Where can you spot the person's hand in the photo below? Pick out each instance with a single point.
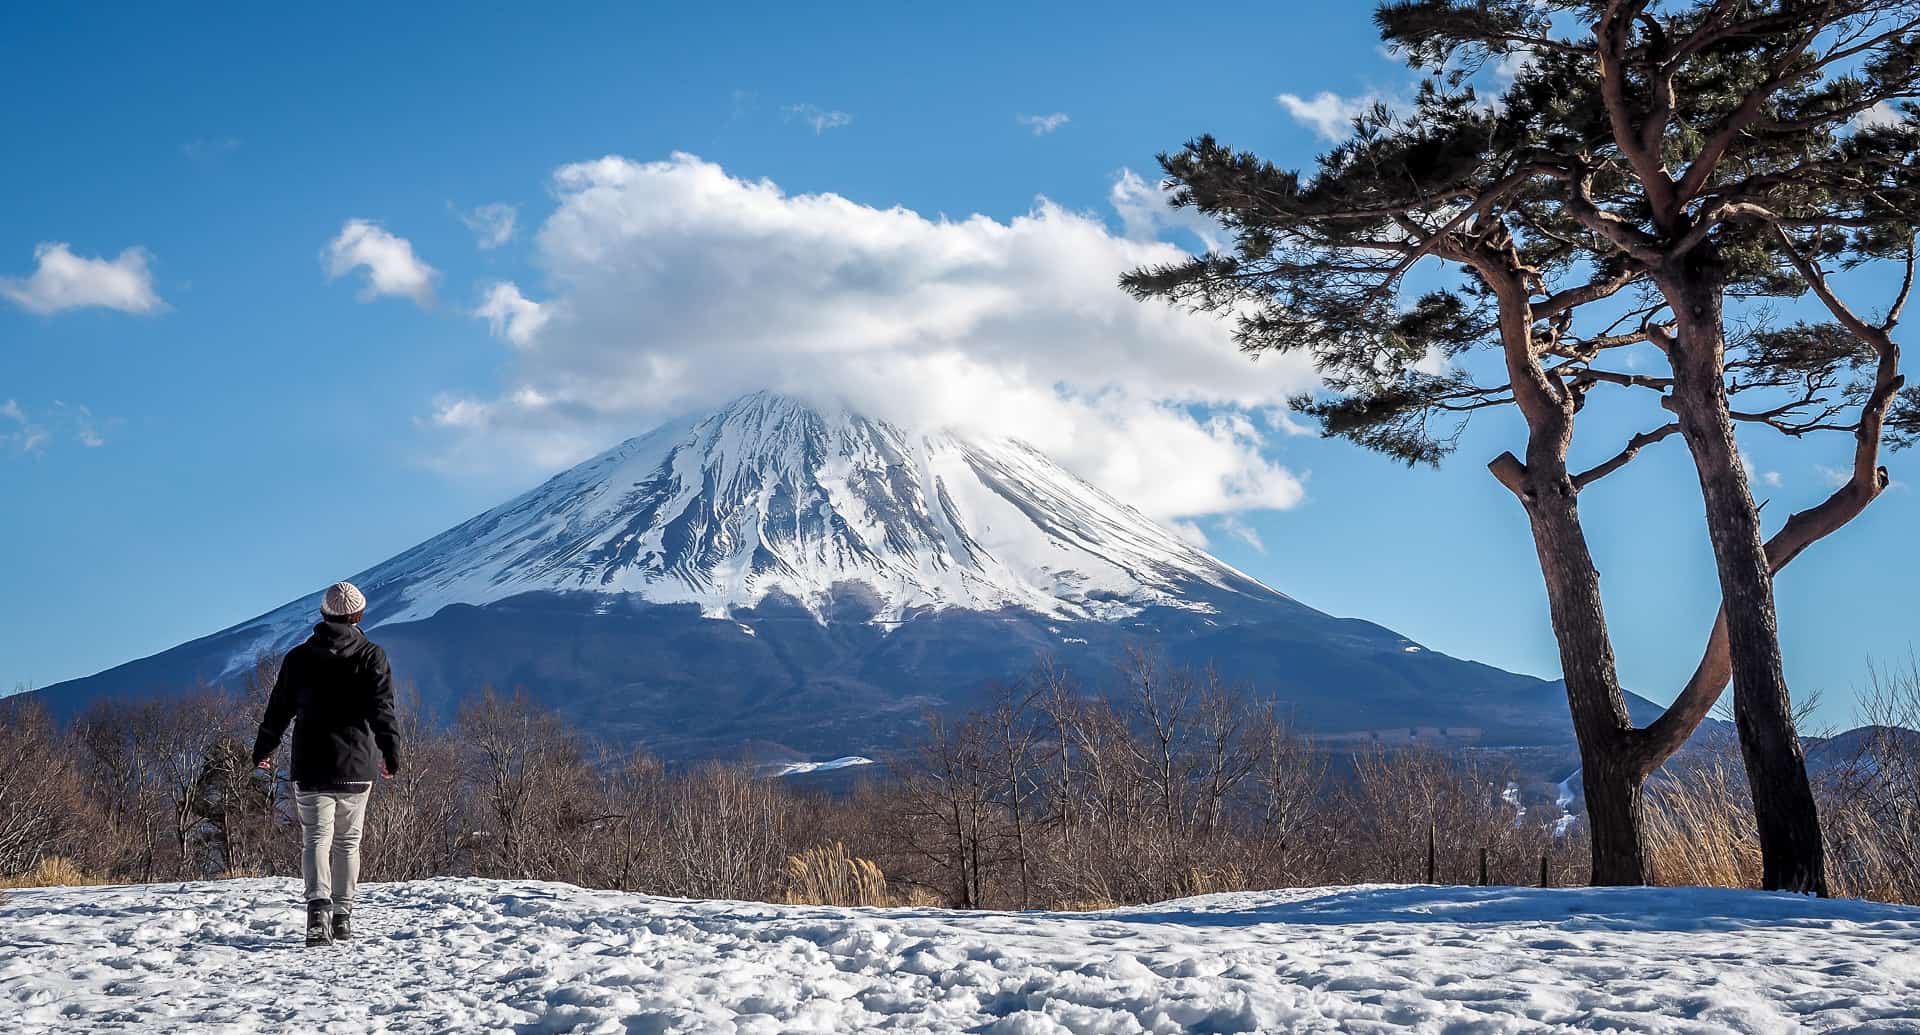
(265, 763)
(384, 774)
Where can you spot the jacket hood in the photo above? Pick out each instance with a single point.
(338, 638)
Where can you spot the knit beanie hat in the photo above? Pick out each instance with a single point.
(342, 599)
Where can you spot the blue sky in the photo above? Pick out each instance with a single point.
(238, 426)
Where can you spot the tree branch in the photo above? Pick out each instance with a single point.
(1622, 458)
(1616, 230)
(1657, 384)
(1574, 297)
(1510, 472)
(1708, 159)
(1610, 32)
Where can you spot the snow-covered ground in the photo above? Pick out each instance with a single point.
(476, 955)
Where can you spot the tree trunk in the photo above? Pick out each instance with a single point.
(1792, 852)
(1617, 805)
(1616, 808)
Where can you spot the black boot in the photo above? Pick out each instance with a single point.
(320, 922)
(342, 926)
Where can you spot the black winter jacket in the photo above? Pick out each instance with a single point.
(337, 691)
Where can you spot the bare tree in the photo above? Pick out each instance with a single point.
(419, 823)
(640, 789)
(1231, 754)
(1289, 773)
(42, 803)
(1016, 732)
(1162, 699)
(116, 774)
(726, 834)
(947, 810)
(528, 770)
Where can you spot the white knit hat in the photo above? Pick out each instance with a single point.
(342, 599)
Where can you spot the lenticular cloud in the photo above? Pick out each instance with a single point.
(673, 285)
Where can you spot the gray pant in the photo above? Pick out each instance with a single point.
(330, 844)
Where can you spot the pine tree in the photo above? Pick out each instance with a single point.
(1647, 163)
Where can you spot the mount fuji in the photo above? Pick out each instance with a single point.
(791, 580)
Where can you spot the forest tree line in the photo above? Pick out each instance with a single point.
(1165, 784)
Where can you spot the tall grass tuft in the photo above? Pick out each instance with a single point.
(828, 875)
(1700, 828)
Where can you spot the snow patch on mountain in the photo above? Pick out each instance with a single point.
(780, 769)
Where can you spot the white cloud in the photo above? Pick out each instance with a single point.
(1771, 479)
(1880, 116)
(1145, 214)
(1242, 531)
(1833, 476)
(1192, 533)
(492, 224)
(1043, 124)
(1283, 420)
(673, 286)
(1514, 62)
(78, 421)
(819, 119)
(1142, 207)
(512, 316)
(392, 268)
(62, 280)
(1327, 113)
(27, 440)
(30, 435)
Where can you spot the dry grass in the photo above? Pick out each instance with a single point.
(828, 875)
(919, 898)
(52, 872)
(1701, 831)
(1090, 905)
(1229, 877)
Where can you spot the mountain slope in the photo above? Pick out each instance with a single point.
(814, 580)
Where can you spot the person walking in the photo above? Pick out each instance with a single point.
(337, 691)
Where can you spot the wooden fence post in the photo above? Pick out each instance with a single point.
(1546, 880)
(1483, 866)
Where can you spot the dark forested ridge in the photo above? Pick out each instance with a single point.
(664, 678)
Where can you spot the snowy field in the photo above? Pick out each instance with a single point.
(474, 956)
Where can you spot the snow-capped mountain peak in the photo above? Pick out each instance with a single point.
(769, 495)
